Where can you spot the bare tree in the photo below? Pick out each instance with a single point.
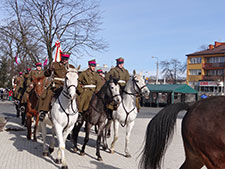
(172, 69)
(74, 22)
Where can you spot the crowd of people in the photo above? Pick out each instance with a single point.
(90, 81)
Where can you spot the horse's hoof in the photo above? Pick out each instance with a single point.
(111, 151)
(50, 150)
(64, 167)
(104, 148)
(45, 154)
(75, 149)
(58, 161)
(99, 159)
(82, 153)
(35, 140)
(128, 155)
(28, 138)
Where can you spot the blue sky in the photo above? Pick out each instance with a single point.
(138, 30)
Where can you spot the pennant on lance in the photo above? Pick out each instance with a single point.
(57, 52)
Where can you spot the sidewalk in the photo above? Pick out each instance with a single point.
(19, 153)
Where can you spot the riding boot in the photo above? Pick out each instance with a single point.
(80, 118)
(42, 115)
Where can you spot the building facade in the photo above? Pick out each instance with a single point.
(205, 69)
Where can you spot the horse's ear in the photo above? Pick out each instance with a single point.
(78, 67)
(67, 67)
(110, 77)
(134, 72)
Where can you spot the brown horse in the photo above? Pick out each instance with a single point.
(32, 102)
(203, 133)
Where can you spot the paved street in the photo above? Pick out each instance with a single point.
(17, 152)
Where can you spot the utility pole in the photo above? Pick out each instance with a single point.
(157, 69)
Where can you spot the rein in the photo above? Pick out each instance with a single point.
(137, 93)
(67, 96)
(103, 99)
(127, 114)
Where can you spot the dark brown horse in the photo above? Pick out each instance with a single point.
(32, 102)
(203, 133)
(97, 115)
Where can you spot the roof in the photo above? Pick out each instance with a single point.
(216, 50)
(176, 88)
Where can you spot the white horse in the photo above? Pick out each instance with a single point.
(127, 110)
(62, 116)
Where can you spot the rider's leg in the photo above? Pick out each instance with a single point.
(44, 104)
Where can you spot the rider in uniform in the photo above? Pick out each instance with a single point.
(88, 83)
(19, 84)
(101, 76)
(122, 75)
(25, 87)
(58, 72)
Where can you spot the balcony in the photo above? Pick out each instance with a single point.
(214, 65)
(212, 77)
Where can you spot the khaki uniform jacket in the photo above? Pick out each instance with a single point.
(24, 85)
(34, 74)
(102, 79)
(118, 73)
(87, 77)
(18, 84)
(57, 70)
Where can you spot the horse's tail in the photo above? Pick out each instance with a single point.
(158, 134)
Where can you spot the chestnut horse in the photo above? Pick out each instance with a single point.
(32, 102)
(203, 133)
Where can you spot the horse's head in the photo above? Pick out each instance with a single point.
(113, 90)
(71, 82)
(139, 84)
(38, 85)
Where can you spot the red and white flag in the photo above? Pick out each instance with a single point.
(57, 52)
(16, 60)
(46, 61)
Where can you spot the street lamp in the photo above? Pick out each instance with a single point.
(157, 69)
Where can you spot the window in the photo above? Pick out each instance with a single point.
(215, 60)
(218, 72)
(195, 60)
(195, 72)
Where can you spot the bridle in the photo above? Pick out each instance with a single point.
(103, 98)
(65, 91)
(112, 96)
(136, 93)
(66, 94)
(39, 84)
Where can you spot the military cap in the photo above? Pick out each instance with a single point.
(92, 62)
(99, 71)
(20, 73)
(38, 64)
(28, 69)
(120, 60)
(65, 55)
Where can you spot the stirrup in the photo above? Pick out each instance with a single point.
(22, 108)
(42, 115)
